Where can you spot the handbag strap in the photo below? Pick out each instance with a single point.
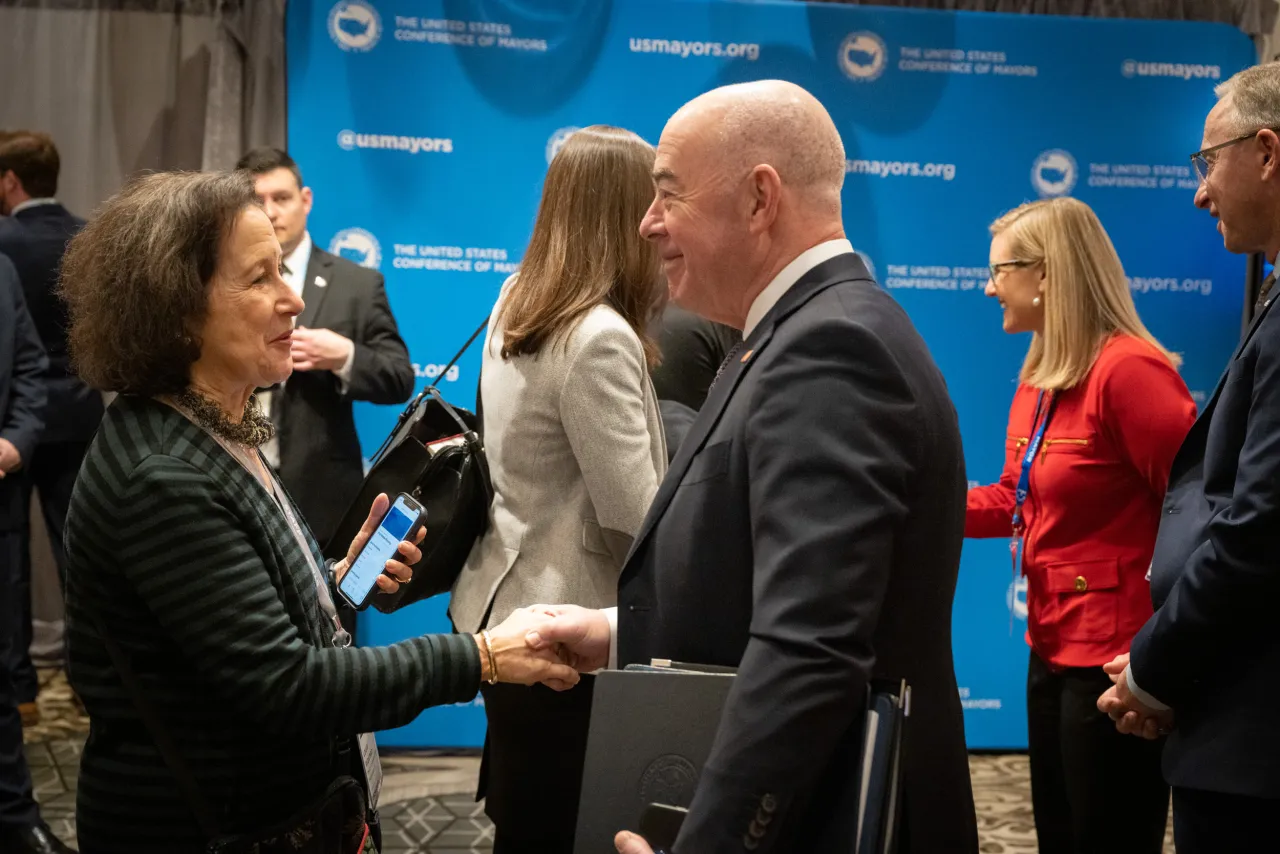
(459, 354)
(462, 425)
(430, 390)
(159, 734)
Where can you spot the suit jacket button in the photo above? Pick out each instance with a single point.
(1082, 584)
(757, 830)
(763, 817)
(768, 803)
(749, 842)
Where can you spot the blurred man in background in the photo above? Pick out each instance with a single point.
(693, 349)
(22, 401)
(34, 231)
(346, 347)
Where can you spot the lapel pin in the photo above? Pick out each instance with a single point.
(320, 282)
(746, 355)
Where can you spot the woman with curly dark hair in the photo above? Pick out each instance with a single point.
(200, 610)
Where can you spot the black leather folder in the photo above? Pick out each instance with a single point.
(652, 727)
(651, 732)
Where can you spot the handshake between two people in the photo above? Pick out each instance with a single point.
(1131, 715)
(547, 644)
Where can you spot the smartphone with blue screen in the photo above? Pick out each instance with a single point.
(401, 523)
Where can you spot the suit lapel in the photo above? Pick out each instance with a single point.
(319, 269)
(1199, 430)
(842, 268)
(708, 418)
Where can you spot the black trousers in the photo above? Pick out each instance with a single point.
(1218, 823)
(1093, 790)
(531, 774)
(52, 470)
(17, 807)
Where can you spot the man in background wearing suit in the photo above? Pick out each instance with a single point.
(22, 402)
(693, 348)
(346, 347)
(34, 231)
(809, 531)
(1207, 663)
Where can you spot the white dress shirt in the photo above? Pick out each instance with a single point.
(789, 275)
(295, 275)
(1143, 697)
(760, 306)
(32, 203)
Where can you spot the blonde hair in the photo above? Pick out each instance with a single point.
(1086, 294)
(586, 249)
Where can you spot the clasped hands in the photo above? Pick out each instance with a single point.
(1131, 716)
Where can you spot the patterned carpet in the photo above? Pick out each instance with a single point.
(427, 802)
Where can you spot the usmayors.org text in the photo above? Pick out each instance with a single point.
(910, 169)
(684, 49)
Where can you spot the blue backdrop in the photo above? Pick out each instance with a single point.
(425, 127)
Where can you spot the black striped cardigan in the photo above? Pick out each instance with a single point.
(193, 569)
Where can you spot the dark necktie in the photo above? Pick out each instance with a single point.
(1263, 291)
(733, 351)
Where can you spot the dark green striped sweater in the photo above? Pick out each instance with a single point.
(194, 571)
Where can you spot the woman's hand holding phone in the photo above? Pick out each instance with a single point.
(398, 570)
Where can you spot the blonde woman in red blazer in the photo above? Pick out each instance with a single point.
(1098, 416)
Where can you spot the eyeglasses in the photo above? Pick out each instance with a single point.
(1201, 160)
(1000, 265)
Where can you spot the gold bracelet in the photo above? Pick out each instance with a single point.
(493, 663)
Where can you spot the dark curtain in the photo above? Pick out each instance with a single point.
(1255, 17)
(130, 85)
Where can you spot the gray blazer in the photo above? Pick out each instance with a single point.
(576, 451)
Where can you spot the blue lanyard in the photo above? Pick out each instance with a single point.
(1033, 448)
(1024, 487)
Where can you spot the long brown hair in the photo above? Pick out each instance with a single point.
(586, 247)
(1086, 294)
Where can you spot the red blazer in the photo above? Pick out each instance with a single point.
(1094, 501)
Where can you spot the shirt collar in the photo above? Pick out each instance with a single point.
(298, 259)
(32, 203)
(790, 274)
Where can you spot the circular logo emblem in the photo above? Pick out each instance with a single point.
(557, 141)
(1054, 173)
(1128, 68)
(863, 56)
(358, 245)
(346, 139)
(1016, 597)
(670, 779)
(354, 25)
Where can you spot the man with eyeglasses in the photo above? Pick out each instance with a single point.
(1207, 664)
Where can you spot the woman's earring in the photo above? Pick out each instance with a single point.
(1036, 302)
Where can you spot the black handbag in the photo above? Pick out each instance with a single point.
(338, 822)
(436, 455)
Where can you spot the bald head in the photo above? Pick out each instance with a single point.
(770, 122)
(748, 177)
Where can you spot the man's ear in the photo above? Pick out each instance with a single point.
(1269, 145)
(766, 196)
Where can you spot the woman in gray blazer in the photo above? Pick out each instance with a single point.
(575, 446)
